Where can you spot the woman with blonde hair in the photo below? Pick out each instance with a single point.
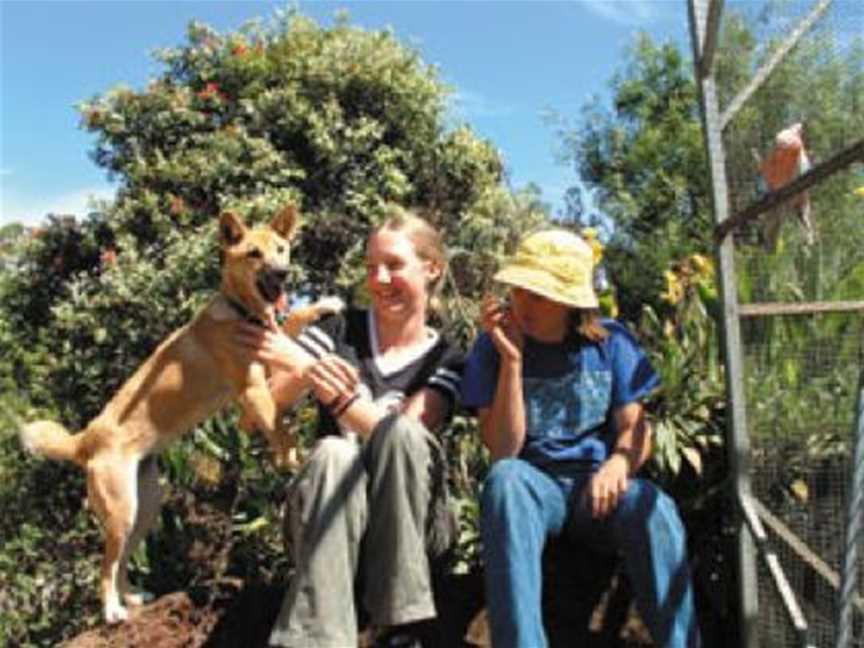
(559, 392)
(364, 502)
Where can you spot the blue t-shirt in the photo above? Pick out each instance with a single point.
(571, 391)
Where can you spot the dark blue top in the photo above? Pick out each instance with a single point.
(571, 392)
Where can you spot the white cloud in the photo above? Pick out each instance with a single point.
(34, 211)
(467, 106)
(631, 12)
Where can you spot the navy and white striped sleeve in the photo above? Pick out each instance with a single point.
(447, 376)
(323, 337)
(447, 380)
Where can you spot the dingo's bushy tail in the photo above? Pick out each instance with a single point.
(51, 440)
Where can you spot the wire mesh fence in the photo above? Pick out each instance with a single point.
(783, 107)
(800, 398)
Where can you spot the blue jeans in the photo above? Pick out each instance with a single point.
(522, 506)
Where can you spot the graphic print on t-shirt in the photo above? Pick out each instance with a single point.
(567, 406)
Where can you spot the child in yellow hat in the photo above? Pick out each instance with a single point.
(558, 392)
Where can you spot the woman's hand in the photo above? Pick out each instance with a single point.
(607, 485)
(497, 320)
(271, 347)
(333, 380)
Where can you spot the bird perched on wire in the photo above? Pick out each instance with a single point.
(786, 161)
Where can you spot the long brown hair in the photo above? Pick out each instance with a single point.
(585, 323)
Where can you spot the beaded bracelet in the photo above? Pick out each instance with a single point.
(342, 408)
(333, 403)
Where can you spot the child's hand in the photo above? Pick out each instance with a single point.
(498, 321)
(607, 485)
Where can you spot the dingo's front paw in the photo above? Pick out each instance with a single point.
(330, 305)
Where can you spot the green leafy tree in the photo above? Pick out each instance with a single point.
(641, 163)
(340, 121)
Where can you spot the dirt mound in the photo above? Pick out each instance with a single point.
(174, 620)
(234, 616)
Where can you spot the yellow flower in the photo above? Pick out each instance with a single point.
(859, 191)
(704, 265)
(674, 292)
(668, 329)
(800, 490)
(590, 236)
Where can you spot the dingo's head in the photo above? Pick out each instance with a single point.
(256, 261)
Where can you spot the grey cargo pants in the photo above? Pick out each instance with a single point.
(378, 494)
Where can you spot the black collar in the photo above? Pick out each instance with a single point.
(249, 316)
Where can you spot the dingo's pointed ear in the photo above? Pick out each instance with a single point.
(232, 229)
(286, 222)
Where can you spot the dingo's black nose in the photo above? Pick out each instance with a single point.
(271, 282)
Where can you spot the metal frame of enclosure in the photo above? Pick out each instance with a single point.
(757, 548)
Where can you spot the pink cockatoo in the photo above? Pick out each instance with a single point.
(786, 161)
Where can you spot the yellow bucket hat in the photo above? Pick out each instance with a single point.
(556, 264)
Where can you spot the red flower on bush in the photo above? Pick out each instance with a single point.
(210, 90)
(108, 257)
(178, 206)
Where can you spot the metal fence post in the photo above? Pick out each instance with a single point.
(849, 574)
(704, 20)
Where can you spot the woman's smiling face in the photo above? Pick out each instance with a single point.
(396, 276)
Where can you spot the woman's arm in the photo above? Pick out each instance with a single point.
(502, 425)
(335, 380)
(632, 449)
(289, 362)
(430, 407)
(634, 440)
(294, 371)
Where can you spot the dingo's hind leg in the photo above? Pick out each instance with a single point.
(112, 494)
(149, 500)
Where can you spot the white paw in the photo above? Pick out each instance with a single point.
(115, 613)
(139, 598)
(330, 304)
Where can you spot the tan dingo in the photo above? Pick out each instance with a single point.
(192, 373)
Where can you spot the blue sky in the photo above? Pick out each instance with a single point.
(508, 62)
